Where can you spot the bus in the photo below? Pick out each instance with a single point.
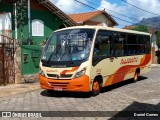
(87, 58)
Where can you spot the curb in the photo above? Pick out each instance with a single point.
(155, 65)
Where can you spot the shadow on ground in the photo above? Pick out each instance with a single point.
(65, 94)
(138, 111)
(87, 95)
(121, 84)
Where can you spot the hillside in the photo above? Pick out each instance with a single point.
(151, 22)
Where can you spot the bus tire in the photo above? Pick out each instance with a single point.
(96, 88)
(50, 91)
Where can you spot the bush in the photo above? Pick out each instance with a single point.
(141, 28)
(158, 40)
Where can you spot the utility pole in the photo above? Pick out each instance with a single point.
(29, 23)
(15, 20)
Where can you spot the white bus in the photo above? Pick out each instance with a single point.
(87, 58)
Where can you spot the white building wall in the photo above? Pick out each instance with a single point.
(102, 18)
(5, 24)
(154, 44)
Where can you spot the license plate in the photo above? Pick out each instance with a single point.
(58, 89)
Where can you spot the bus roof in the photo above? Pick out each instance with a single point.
(104, 28)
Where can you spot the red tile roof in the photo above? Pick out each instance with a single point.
(83, 17)
(129, 27)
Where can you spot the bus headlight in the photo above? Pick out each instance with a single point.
(41, 72)
(81, 72)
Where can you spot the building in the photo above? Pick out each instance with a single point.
(43, 17)
(100, 17)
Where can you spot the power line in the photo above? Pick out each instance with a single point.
(139, 8)
(114, 11)
(111, 15)
(97, 9)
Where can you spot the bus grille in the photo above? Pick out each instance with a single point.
(61, 76)
(59, 84)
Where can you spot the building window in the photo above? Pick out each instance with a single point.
(37, 28)
(25, 58)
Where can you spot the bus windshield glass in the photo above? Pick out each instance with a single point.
(68, 45)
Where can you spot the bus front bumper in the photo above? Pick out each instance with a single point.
(80, 84)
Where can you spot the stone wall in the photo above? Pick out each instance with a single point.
(30, 78)
(18, 74)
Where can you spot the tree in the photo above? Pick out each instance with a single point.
(140, 28)
(158, 40)
(21, 16)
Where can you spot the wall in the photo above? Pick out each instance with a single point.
(30, 58)
(51, 23)
(5, 21)
(102, 18)
(8, 9)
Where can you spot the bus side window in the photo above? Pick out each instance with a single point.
(102, 44)
(132, 44)
(96, 49)
(120, 41)
(102, 47)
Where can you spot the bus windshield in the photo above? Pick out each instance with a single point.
(68, 45)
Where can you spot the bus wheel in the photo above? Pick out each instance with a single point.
(136, 76)
(96, 88)
(50, 91)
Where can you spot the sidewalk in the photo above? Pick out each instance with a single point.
(13, 89)
(155, 65)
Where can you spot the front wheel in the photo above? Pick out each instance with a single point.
(50, 91)
(96, 87)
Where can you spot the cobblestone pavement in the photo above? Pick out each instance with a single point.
(14, 89)
(143, 95)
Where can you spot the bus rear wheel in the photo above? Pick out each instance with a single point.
(96, 88)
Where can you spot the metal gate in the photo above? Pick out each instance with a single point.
(7, 67)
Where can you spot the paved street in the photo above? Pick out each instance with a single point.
(143, 95)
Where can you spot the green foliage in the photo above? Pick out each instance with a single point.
(141, 28)
(21, 16)
(158, 39)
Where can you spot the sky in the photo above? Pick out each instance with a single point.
(118, 9)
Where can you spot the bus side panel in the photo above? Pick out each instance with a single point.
(129, 71)
(121, 68)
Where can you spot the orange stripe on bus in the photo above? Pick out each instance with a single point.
(69, 71)
(123, 71)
